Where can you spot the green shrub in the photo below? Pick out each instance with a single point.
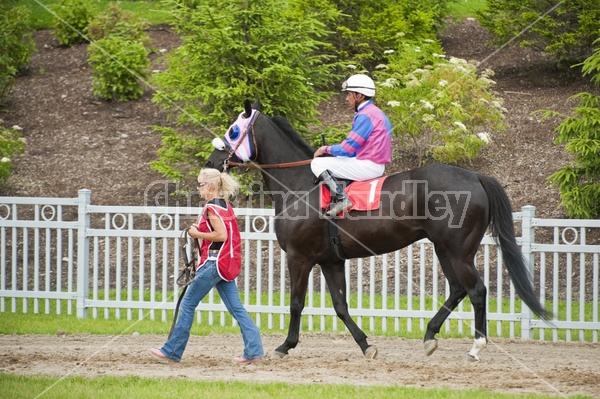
(179, 146)
(566, 33)
(10, 143)
(443, 109)
(579, 182)
(365, 29)
(233, 51)
(118, 66)
(16, 45)
(591, 66)
(115, 21)
(72, 22)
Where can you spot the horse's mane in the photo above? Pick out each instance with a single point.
(289, 131)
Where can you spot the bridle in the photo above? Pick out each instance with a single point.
(232, 151)
(253, 165)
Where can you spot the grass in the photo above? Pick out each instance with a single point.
(461, 9)
(155, 12)
(110, 321)
(16, 387)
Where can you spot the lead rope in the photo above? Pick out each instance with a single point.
(186, 274)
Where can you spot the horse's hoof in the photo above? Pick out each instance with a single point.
(371, 352)
(278, 355)
(430, 346)
(472, 358)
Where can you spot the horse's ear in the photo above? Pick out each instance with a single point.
(257, 105)
(247, 109)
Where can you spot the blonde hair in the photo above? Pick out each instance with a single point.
(226, 186)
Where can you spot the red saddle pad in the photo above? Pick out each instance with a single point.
(365, 195)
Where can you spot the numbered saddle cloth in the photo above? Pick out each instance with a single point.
(365, 195)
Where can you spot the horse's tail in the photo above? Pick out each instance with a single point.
(503, 231)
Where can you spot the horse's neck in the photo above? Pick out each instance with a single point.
(291, 189)
(286, 180)
(279, 148)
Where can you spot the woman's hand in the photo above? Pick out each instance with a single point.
(193, 232)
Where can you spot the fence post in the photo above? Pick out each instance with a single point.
(528, 237)
(83, 252)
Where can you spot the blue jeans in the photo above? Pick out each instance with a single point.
(206, 278)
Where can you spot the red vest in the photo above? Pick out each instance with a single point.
(229, 259)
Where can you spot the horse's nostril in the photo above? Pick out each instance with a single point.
(208, 164)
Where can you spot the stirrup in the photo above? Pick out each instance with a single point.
(339, 207)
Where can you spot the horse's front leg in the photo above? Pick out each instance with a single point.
(336, 281)
(299, 270)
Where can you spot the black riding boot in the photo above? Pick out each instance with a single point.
(339, 200)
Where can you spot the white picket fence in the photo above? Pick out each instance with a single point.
(67, 255)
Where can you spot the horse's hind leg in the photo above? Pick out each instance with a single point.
(463, 279)
(457, 293)
(336, 281)
(477, 295)
(469, 278)
(299, 272)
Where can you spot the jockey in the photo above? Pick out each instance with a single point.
(364, 153)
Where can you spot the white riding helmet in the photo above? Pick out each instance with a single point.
(360, 83)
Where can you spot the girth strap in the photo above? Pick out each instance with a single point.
(335, 244)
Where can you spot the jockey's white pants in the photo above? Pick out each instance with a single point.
(347, 168)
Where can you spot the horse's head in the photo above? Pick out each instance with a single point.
(237, 145)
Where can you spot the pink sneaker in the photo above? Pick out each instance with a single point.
(159, 355)
(245, 360)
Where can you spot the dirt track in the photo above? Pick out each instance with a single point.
(560, 369)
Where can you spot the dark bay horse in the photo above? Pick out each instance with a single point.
(450, 206)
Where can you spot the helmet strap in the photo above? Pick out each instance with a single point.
(357, 102)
